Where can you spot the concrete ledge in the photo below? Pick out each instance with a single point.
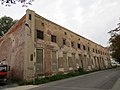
(117, 85)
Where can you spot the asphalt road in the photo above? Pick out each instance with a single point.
(102, 80)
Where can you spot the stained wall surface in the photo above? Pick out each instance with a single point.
(12, 49)
(68, 51)
(36, 47)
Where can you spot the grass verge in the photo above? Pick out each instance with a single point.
(56, 77)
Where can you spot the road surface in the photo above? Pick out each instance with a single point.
(102, 80)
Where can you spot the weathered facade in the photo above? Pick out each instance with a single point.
(35, 46)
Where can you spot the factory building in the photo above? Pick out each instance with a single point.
(35, 46)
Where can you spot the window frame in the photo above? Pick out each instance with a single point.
(41, 36)
(54, 38)
(64, 41)
(72, 43)
(84, 48)
(79, 45)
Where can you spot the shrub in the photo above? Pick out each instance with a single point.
(55, 77)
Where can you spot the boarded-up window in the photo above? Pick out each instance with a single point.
(60, 62)
(78, 61)
(54, 61)
(65, 61)
(81, 61)
(74, 61)
(89, 60)
(85, 62)
(70, 61)
(39, 61)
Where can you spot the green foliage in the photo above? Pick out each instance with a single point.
(81, 70)
(5, 24)
(1, 33)
(115, 47)
(24, 82)
(115, 43)
(56, 77)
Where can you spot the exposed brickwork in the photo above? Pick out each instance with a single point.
(30, 56)
(12, 49)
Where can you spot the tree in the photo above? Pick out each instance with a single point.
(115, 43)
(12, 2)
(5, 24)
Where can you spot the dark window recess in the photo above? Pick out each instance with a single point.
(72, 44)
(65, 33)
(30, 17)
(42, 24)
(40, 34)
(78, 45)
(53, 38)
(79, 39)
(96, 50)
(93, 50)
(34, 54)
(84, 47)
(31, 57)
(88, 49)
(64, 41)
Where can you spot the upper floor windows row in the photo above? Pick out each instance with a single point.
(99, 52)
(40, 35)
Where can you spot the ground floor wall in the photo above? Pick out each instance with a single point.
(51, 59)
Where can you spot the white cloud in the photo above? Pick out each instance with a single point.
(89, 18)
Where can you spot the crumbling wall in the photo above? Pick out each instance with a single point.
(12, 49)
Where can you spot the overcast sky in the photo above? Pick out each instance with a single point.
(89, 18)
